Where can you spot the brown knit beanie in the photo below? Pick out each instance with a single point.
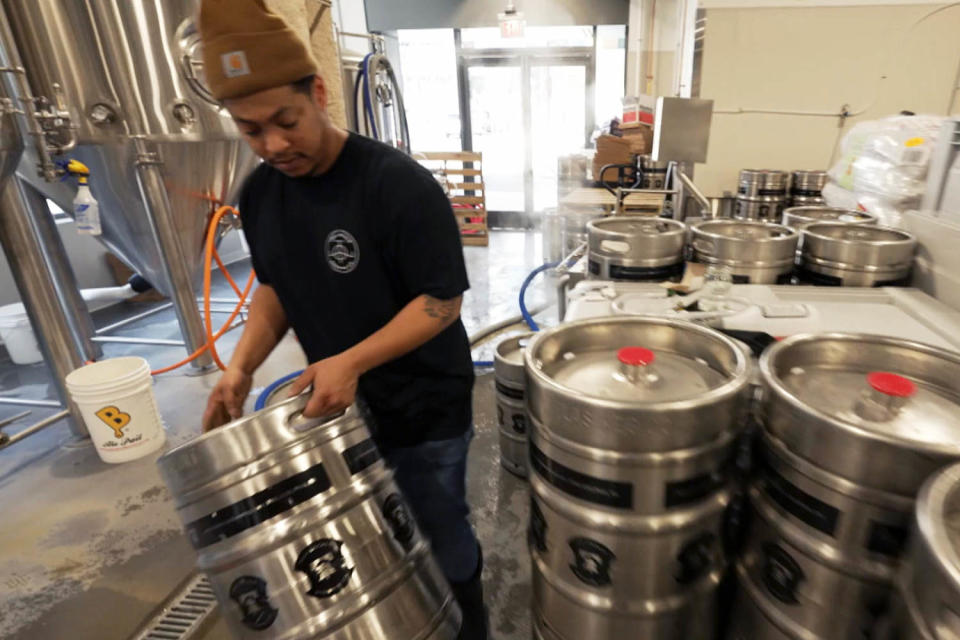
(247, 49)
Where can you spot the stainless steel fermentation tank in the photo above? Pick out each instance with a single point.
(633, 425)
(32, 244)
(160, 150)
(303, 532)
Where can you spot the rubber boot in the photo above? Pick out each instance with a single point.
(469, 595)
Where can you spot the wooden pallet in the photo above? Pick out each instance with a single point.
(461, 174)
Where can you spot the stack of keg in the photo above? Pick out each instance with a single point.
(855, 255)
(930, 580)
(806, 188)
(510, 381)
(755, 252)
(846, 445)
(638, 249)
(633, 426)
(303, 533)
(761, 194)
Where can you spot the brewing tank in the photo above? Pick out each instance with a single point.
(632, 427)
(303, 533)
(131, 70)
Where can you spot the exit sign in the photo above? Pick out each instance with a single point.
(512, 25)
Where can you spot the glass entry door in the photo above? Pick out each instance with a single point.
(522, 110)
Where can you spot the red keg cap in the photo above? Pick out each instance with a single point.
(636, 356)
(891, 384)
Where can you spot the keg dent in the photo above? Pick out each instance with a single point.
(301, 529)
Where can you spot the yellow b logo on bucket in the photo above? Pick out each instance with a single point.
(115, 419)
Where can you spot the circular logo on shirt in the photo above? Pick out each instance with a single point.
(342, 251)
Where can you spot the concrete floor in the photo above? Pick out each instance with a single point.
(88, 550)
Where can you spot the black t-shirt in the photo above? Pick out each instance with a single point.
(345, 252)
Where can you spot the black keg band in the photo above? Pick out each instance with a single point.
(579, 485)
(807, 193)
(800, 504)
(247, 513)
(640, 274)
(515, 394)
(361, 455)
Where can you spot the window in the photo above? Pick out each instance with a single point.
(428, 65)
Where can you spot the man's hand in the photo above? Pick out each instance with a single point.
(334, 383)
(227, 398)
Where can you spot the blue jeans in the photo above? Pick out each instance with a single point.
(432, 477)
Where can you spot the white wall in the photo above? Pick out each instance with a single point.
(817, 59)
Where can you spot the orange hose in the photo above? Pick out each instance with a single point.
(210, 254)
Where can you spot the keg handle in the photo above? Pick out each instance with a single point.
(297, 422)
(705, 247)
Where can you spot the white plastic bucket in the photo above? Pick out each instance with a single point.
(116, 400)
(18, 336)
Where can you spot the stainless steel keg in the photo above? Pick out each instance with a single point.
(799, 217)
(636, 249)
(633, 424)
(756, 252)
(303, 533)
(839, 254)
(930, 584)
(511, 384)
(761, 194)
(806, 188)
(853, 425)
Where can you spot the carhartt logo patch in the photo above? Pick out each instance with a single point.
(235, 64)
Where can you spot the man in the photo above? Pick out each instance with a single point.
(356, 248)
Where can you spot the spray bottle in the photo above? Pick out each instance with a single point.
(86, 211)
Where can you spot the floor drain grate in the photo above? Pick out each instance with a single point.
(183, 614)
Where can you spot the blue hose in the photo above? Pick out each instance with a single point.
(367, 99)
(482, 363)
(523, 294)
(279, 382)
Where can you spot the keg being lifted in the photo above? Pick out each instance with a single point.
(633, 423)
(806, 188)
(761, 194)
(800, 217)
(301, 530)
(636, 248)
(756, 252)
(511, 384)
(930, 580)
(846, 446)
(842, 255)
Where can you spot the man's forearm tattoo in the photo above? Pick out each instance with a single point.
(442, 310)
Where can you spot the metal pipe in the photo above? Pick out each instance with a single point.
(13, 419)
(6, 441)
(45, 280)
(23, 402)
(132, 319)
(695, 192)
(129, 340)
(160, 214)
